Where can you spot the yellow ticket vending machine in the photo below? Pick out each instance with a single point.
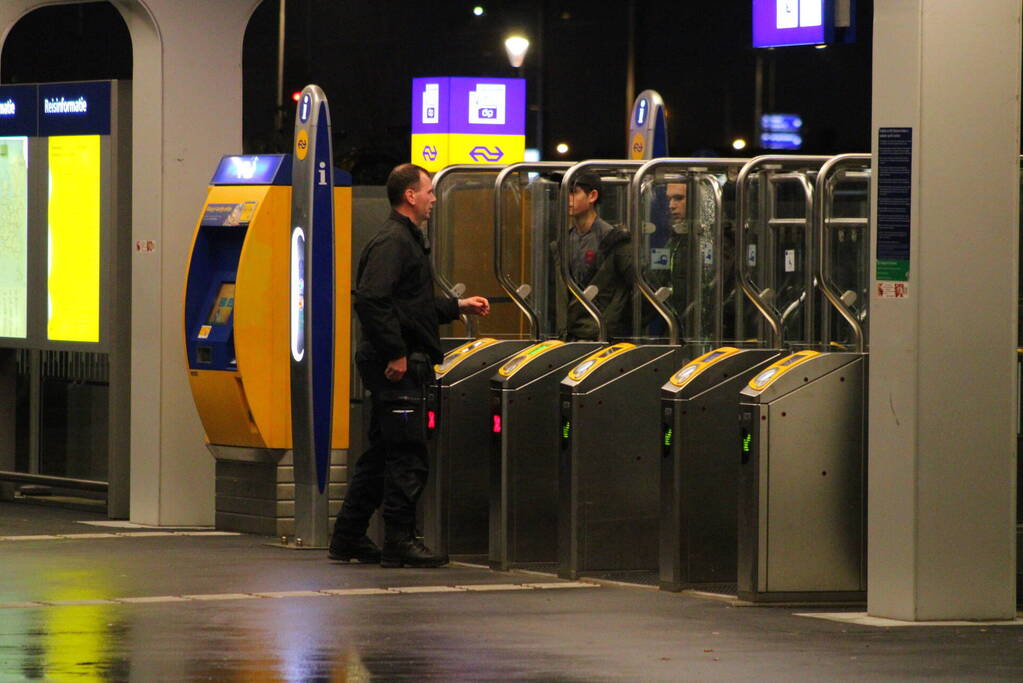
(236, 326)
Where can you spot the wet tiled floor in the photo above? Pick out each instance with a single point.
(206, 607)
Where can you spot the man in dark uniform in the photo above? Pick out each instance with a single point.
(395, 302)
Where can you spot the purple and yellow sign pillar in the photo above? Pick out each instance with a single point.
(458, 120)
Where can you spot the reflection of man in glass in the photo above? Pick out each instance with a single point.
(690, 247)
(598, 255)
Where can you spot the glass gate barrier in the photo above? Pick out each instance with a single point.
(461, 230)
(599, 296)
(776, 251)
(843, 208)
(525, 232)
(685, 250)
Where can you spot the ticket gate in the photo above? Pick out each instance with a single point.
(524, 453)
(608, 407)
(454, 506)
(699, 403)
(802, 440)
(524, 391)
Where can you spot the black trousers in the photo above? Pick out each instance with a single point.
(392, 473)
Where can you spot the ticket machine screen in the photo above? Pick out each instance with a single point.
(223, 305)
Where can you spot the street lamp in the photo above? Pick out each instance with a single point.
(516, 47)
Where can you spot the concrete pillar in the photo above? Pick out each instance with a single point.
(941, 511)
(186, 114)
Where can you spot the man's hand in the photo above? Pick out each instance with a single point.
(476, 305)
(395, 369)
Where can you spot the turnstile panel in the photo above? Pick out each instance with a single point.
(802, 508)
(700, 472)
(524, 459)
(609, 465)
(455, 504)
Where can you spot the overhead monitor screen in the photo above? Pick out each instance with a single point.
(73, 238)
(223, 306)
(13, 236)
(788, 22)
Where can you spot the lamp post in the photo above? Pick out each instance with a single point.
(516, 46)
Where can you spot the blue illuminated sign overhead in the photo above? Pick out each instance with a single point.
(74, 108)
(253, 169)
(18, 110)
(781, 131)
(778, 23)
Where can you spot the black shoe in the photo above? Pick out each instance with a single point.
(404, 548)
(362, 549)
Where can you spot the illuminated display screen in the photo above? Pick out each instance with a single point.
(223, 306)
(73, 238)
(788, 22)
(13, 236)
(298, 294)
(247, 170)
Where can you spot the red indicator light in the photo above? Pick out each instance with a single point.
(431, 419)
(497, 424)
(297, 95)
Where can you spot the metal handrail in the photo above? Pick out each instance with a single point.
(446, 286)
(566, 183)
(691, 164)
(824, 189)
(502, 278)
(741, 216)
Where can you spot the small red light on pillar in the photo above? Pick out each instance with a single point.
(431, 419)
(297, 95)
(497, 424)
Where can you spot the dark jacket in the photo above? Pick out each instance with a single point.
(613, 278)
(394, 295)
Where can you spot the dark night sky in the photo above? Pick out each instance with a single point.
(698, 55)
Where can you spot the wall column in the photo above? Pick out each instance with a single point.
(942, 465)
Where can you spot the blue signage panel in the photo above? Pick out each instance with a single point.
(321, 297)
(781, 131)
(18, 110)
(74, 108)
(781, 123)
(252, 169)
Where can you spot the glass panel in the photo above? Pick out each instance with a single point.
(604, 263)
(529, 206)
(74, 238)
(463, 235)
(848, 253)
(13, 236)
(777, 245)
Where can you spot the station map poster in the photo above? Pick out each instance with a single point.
(73, 238)
(13, 236)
